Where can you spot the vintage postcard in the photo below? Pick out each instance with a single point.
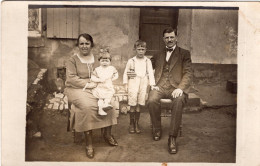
(130, 83)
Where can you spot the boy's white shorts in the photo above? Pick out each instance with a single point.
(137, 89)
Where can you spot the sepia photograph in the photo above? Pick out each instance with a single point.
(132, 84)
(116, 83)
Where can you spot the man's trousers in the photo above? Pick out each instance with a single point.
(155, 111)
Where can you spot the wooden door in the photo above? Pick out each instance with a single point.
(152, 23)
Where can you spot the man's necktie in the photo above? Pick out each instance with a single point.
(169, 49)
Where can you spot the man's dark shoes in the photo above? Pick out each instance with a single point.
(89, 152)
(172, 146)
(157, 135)
(110, 140)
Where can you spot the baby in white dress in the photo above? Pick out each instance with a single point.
(104, 75)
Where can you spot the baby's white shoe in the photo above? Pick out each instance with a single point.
(107, 107)
(101, 112)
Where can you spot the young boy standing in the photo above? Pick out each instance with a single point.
(137, 75)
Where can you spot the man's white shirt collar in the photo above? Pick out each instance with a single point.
(169, 53)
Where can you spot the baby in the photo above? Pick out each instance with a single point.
(104, 75)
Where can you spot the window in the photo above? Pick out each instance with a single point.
(63, 23)
(34, 22)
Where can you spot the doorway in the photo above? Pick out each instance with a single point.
(153, 21)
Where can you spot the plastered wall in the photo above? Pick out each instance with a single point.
(117, 28)
(210, 34)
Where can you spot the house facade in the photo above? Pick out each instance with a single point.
(209, 33)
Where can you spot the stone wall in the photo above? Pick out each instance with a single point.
(204, 73)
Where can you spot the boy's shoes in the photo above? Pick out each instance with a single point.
(101, 112)
(137, 128)
(107, 107)
(131, 129)
(132, 126)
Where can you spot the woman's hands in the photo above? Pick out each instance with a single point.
(89, 85)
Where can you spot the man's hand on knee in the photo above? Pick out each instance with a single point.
(177, 93)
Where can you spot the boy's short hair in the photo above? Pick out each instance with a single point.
(104, 54)
(139, 43)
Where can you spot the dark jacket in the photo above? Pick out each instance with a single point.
(180, 68)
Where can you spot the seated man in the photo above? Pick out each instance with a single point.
(173, 75)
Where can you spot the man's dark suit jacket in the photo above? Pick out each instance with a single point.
(180, 68)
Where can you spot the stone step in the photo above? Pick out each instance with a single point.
(193, 100)
(231, 86)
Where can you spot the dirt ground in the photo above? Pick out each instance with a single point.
(208, 136)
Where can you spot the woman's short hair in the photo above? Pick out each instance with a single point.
(87, 37)
(139, 43)
(170, 30)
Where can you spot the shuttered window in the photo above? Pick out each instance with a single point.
(63, 23)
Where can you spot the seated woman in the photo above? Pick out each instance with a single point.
(79, 68)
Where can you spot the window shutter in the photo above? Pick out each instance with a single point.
(63, 23)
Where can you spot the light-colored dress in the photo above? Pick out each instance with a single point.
(137, 86)
(84, 115)
(104, 90)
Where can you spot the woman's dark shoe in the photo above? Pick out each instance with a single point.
(89, 152)
(110, 140)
